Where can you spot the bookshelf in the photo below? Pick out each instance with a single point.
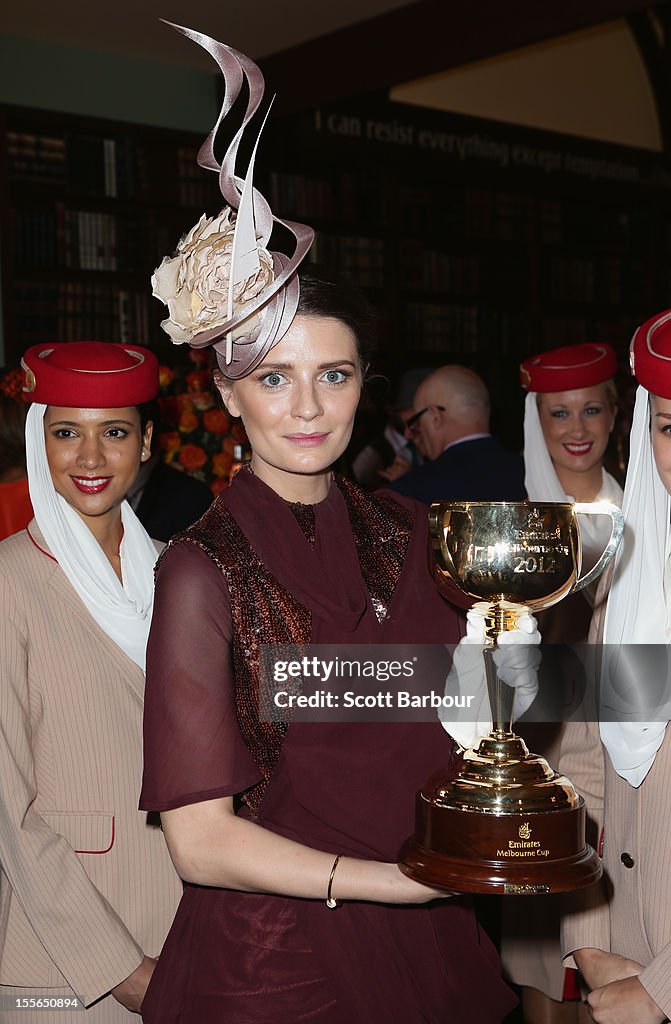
(478, 242)
(89, 207)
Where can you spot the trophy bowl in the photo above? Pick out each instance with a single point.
(507, 822)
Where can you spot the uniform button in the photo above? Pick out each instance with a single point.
(627, 860)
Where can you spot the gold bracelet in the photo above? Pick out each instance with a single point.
(332, 903)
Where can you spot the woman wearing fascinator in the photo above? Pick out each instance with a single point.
(619, 934)
(286, 833)
(87, 889)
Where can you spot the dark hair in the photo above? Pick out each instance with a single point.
(324, 293)
(12, 433)
(149, 413)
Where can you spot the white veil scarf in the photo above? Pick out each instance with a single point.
(122, 611)
(637, 611)
(542, 484)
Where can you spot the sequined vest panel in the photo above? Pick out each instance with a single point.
(264, 612)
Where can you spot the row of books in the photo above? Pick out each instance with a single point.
(294, 195)
(606, 226)
(115, 168)
(72, 311)
(196, 187)
(431, 271)
(433, 327)
(105, 168)
(57, 237)
(512, 333)
(571, 279)
(346, 199)
(87, 164)
(471, 212)
(477, 214)
(562, 329)
(47, 239)
(37, 158)
(466, 330)
(357, 257)
(52, 238)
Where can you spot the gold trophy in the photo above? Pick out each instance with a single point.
(507, 823)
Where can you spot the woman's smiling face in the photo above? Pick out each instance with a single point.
(94, 455)
(576, 426)
(298, 405)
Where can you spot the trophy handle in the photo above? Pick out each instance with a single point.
(600, 508)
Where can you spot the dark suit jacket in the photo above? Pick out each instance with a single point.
(171, 501)
(478, 470)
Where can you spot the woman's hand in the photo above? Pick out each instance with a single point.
(599, 968)
(516, 656)
(416, 892)
(385, 881)
(616, 994)
(131, 992)
(624, 1002)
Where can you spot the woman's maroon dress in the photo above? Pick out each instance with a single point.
(242, 958)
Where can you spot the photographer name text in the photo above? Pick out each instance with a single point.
(382, 699)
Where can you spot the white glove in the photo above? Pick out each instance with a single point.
(517, 659)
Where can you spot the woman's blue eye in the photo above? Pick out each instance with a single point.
(559, 414)
(593, 410)
(273, 380)
(335, 376)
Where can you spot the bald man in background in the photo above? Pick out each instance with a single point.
(450, 427)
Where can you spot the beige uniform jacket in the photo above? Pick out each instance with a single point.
(86, 883)
(629, 912)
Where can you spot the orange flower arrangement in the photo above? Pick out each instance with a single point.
(221, 464)
(197, 436)
(192, 457)
(188, 422)
(218, 485)
(216, 421)
(170, 442)
(165, 375)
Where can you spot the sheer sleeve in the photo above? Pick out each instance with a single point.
(193, 748)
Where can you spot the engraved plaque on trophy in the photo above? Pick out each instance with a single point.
(507, 823)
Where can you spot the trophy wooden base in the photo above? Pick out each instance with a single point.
(505, 823)
(504, 854)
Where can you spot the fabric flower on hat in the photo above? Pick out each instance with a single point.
(224, 287)
(194, 283)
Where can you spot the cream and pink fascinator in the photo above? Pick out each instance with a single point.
(223, 287)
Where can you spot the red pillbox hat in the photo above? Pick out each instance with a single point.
(89, 374)
(650, 354)
(569, 367)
